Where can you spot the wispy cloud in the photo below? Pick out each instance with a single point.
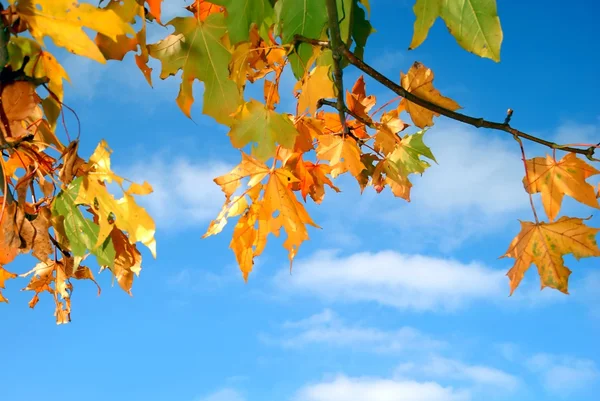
(563, 375)
(184, 191)
(416, 282)
(327, 328)
(440, 368)
(344, 388)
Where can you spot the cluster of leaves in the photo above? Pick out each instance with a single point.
(63, 212)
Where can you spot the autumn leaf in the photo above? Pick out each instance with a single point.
(124, 213)
(343, 154)
(42, 64)
(313, 87)
(473, 23)
(63, 20)
(155, 8)
(81, 232)
(129, 10)
(556, 179)
(312, 177)
(5, 275)
(358, 102)
(409, 151)
(128, 260)
(196, 48)
(257, 124)
(545, 244)
(419, 82)
(387, 172)
(292, 216)
(250, 168)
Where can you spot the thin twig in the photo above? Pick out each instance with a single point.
(314, 42)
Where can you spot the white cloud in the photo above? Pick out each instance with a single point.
(226, 394)
(476, 188)
(344, 388)
(563, 374)
(438, 367)
(184, 191)
(329, 329)
(389, 278)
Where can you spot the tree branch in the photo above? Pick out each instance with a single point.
(326, 102)
(337, 50)
(476, 122)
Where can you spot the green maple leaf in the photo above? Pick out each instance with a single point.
(255, 123)
(242, 13)
(196, 48)
(408, 153)
(473, 23)
(82, 233)
(306, 18)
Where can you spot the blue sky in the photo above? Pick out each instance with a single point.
(390, 301)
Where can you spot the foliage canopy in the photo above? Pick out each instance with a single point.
(56, 205)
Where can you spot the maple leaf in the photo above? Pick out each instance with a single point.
(250, 168)
(358, 102)
(306, 18)
(386, 137)
(202, 9)
(82, 233)
(127, 262)
(292, 216)
(41, 64)
(111, 49)
(473, 23)
(123, 213)
(313, 87)
(196, 48)
(255, 123)
(556, 179)
(5, 275)
(278, 208)
(419, 82)
(155, 8)
(312, 177)
(409, 151)
(544, 244)
(241, 14)
(389, 173)
(63, 20)
(343, 154)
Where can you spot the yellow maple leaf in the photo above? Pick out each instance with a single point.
(556, 179)
(63, 20)
(4, 275)
(419, 82)
(292, 216)
(343, 154)
(544, 244)
(278, 208)
(124, 213)
(313, 87)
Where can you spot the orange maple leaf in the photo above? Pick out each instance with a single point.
(419, 81)
(544, 244)
(556, 179)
